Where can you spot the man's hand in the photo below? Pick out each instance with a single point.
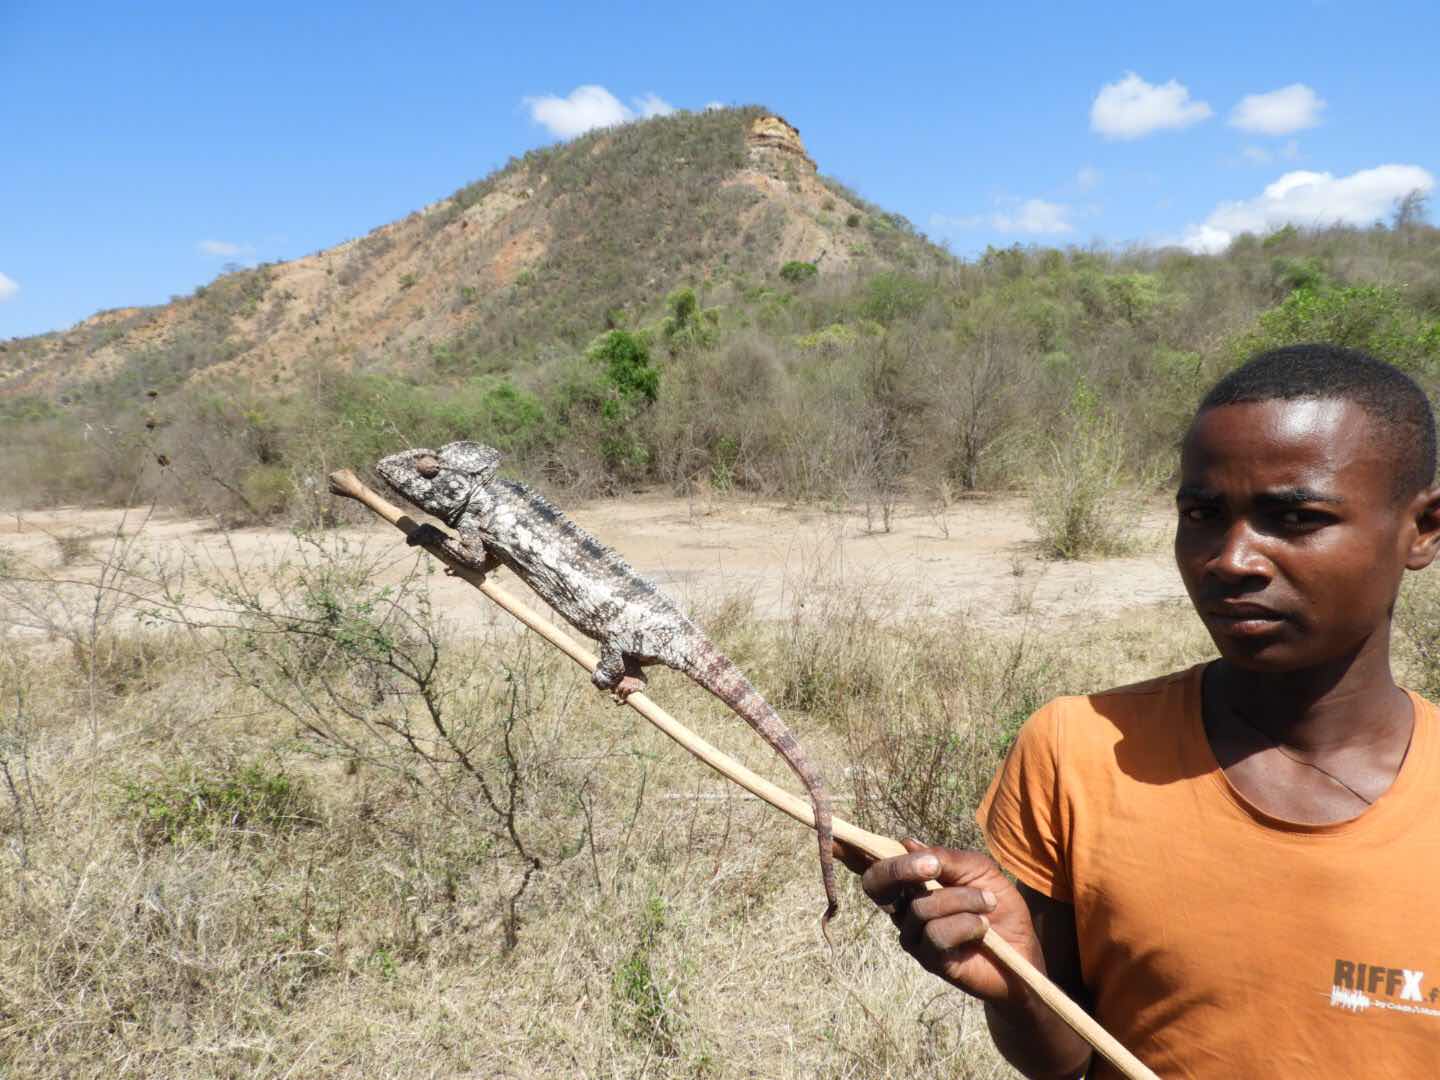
(942, 929)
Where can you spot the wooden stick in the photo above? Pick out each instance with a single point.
(346, 483)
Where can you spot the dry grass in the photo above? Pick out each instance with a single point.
(339, 896)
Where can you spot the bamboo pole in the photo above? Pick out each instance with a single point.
(347, 484)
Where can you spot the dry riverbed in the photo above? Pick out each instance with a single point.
(979, 559)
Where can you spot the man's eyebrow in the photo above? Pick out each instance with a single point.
(1196, 493)
(1297, 496)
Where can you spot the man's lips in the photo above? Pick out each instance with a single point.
(1243, 618)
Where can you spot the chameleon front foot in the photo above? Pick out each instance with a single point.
(618, 674)
(625, 687)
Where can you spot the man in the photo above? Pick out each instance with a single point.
(1235, 868)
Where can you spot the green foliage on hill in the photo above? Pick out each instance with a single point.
(629, 212)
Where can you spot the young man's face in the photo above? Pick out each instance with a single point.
(1290, 539)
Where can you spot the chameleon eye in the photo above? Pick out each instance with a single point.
(427, 467)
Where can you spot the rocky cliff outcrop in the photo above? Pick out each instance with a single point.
(774, 147)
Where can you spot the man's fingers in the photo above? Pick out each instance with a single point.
(946, 918)
(944, 934)
(959, 867)
(952, 901)
(891, 879)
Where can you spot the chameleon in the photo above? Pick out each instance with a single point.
(505, 523)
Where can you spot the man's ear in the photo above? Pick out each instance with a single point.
(471, 458)
(1425, 544)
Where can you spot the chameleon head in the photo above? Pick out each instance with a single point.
(441, 482)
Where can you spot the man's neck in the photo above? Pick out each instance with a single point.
(1312, 746)
(1347, 703)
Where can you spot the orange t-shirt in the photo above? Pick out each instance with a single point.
(1216, 940)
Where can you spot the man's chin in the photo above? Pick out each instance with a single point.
(1259, 653)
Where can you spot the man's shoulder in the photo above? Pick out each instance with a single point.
(1148, 718)
(1163, 693)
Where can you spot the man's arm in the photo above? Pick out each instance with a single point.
(1013, 1030)
(942, 930)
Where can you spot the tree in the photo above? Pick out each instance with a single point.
(1411, 210)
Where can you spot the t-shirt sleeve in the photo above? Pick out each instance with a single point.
(1022, 813)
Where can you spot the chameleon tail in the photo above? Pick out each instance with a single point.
(717, 674)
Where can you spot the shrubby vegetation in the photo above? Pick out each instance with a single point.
(907, 377)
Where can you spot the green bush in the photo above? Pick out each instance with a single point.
(644, 1005)
(186, 806)
(1081, 503)
(797, 273)
(688, 326)
(893, 296)
(27, 407)
(1375, 318)
(829, 339)
(373, 414)
(626, 361)
(268, 490)
(1302, 273)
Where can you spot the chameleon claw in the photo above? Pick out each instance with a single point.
(625, 687)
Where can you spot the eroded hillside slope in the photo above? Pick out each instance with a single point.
(542, 250)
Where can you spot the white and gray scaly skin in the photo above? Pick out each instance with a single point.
(504, 523)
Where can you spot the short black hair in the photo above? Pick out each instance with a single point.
(1332, 372)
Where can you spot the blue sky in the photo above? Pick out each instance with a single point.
(145, 145)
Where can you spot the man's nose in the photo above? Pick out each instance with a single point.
(1240, 554)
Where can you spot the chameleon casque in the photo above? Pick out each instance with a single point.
(505, 523)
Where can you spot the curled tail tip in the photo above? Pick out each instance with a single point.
(830, 909)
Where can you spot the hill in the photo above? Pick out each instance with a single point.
(545, 250)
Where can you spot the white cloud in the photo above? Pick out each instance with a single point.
(653, 105)
(1088, 178)
(1310, 198)
(8, 288)
(587, 107)
(1035, 216)
(950, 222)
(1260, 155)
(1132, 108)
(1206, 239)
(224, 248)
(1281, 112)
(590, 107)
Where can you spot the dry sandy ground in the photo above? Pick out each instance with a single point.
(981, 560)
